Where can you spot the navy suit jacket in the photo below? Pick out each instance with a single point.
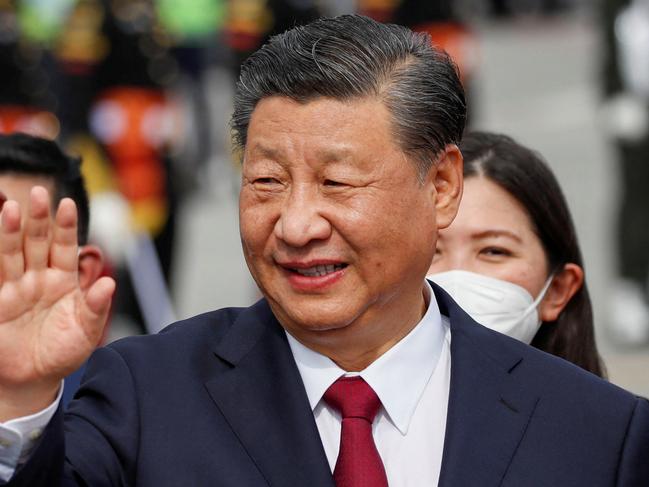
(217, 400)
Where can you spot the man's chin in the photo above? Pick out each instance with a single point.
(311, 321)
(314, 325)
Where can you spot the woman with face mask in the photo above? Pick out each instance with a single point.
(511, 258)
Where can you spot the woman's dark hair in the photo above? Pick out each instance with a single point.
(524, 174)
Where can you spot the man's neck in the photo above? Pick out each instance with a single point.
(356, 346)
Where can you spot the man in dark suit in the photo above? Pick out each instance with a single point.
(353, 370)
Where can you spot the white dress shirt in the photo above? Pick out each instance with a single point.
(412, 380)
(19, 436)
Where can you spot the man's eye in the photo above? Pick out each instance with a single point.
(266, 181)
(333, 183)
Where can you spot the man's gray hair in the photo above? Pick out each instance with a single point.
(352, 56)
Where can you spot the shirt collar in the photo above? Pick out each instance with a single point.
(410, 362)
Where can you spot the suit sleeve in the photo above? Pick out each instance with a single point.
(633, 470)
(97, 443)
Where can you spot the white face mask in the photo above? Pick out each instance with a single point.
(500, 305)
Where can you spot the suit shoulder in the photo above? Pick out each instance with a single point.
(547, 373)
(532, 368)
(566, 382)
(200, 331)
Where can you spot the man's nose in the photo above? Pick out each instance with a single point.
(301, 220)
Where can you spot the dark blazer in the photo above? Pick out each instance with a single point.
(217, 400)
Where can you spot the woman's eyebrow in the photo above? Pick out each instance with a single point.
(492, 233)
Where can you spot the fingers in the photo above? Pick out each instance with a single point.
(37, 230)
(95, 308)
(42, 240)
(12, 264)
(64, 248)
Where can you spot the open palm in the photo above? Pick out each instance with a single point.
(48, 324)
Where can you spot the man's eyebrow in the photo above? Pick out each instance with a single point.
(333, 154)
(266, 151)
(493, 233)
(329, 154)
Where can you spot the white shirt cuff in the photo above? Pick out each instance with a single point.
(19, 436)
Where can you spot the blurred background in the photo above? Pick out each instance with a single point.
(142, 90)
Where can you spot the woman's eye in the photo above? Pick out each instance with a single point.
(495, 252)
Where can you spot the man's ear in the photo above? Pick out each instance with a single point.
(91, 263)
(447, 180)
(564, 286)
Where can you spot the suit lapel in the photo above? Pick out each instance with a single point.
(489, 406)
(261, 395)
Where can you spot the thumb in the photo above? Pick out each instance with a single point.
(95, 307)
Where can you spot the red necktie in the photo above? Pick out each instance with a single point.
(359, 463)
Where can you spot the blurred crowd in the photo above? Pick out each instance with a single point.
(625, 86)
(122, 83)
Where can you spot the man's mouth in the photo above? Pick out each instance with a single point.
(318, 270)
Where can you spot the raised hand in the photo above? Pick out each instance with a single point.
(48, 324)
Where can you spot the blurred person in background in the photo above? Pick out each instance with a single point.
(511, 257)
(625, 77)
(116, 68)
(194, 29)
(27, 101)
(26, 162)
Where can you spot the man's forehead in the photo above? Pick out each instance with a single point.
(332, 151)
(334, 122)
